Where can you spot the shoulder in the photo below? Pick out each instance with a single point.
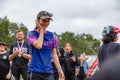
(73, 53)
(85, 62)
(31, 32)
(49, 33)
(112, 44)
(13, 44)
(26, 43)
(104, 46)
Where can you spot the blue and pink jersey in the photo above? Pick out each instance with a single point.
(41, 58)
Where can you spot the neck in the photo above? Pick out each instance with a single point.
(82, 61)
(68, 53)
(20, 41)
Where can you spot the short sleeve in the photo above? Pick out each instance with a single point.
(31, 37)
(55, 44)
(28, 48)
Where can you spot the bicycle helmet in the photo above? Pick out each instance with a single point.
(110, 29)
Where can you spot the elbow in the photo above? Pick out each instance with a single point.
(38, 46)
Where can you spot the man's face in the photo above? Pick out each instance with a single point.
(20, 36)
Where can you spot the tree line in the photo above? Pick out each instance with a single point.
(80, 42)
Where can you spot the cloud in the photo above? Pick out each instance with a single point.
(79, 16)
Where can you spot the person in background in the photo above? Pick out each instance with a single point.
(108, 56)
(5, 71)
(71, 62)
(83, 67)
(56, 76)
(43, 45)
(61, 56)
(20, 56)
(110, 47)
(84, 62)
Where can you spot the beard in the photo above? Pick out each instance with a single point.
(20, 40)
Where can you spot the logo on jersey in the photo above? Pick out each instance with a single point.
(4, 57)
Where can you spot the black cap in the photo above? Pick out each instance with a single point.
(44, 14)
(3, 43)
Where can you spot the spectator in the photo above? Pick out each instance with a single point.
(60, 52)
(56, 76)
(71, 62)
(83, 67)
(109, 56)
(20, 56)
(110, 46)
(5, 72)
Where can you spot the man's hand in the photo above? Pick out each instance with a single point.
(16, 52)
(61, 75)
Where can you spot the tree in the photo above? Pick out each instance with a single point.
(8, 29)
(80, 42)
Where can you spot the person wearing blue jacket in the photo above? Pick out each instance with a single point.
(83, 68)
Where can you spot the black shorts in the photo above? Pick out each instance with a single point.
(40, 76)
(17, 71)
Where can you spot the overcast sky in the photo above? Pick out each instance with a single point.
(78, 16)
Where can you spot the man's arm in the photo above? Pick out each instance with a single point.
(57, 64)
(26, 56)
(14, 54)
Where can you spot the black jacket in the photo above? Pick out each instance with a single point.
(109, 71)
(69, 64)
(107, 50)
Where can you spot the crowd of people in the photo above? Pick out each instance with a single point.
(41, 58)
